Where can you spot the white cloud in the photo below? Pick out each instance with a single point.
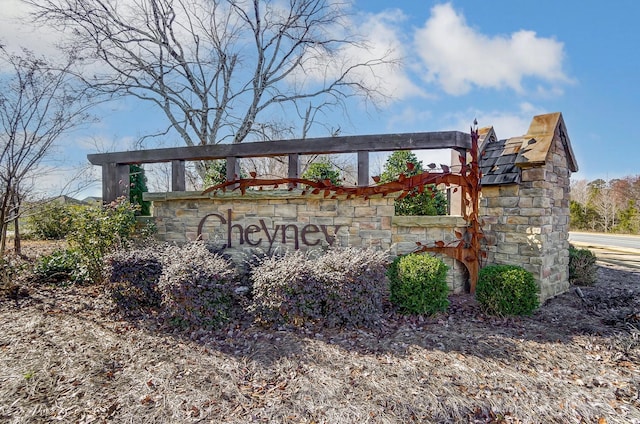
(506, 124)
(383, 39)
(17, 31)
(458, 57)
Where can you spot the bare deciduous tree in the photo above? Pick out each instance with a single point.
(221, 70)
(580, 191)
(37, 105)
(606, 202)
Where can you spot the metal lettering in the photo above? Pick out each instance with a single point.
(296, 233)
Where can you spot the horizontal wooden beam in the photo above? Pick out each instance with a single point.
(327, 145)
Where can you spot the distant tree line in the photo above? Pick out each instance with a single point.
(607, 206)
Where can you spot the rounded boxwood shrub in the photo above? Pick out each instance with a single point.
(582, 266)
(507, 290)
(418, 284)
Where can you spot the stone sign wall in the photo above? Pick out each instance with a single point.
(270, 221)
(524, 210)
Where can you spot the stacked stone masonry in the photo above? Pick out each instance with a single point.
(255, 222)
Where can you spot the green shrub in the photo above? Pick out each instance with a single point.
(321, 171)
(98, 231)
(343, 286)
(418, 284)
(132, 277)
(52, 221)
(62, 266)
(196, 286)
(582, 266)
(507, 290)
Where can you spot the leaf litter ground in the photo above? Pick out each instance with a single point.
(66, 356)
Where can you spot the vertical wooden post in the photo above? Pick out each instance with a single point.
(460, 165)
(294, 167)
(107, 172)
(178, 179)
(115, 182)
(123, 181)
(233, 168)
(363, 168)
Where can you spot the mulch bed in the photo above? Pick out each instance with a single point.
(66, 355)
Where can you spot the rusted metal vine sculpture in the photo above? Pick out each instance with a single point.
(467, 248)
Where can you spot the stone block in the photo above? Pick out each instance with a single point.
(381, 201)
(183, 213)
(540, 220)
(325, 206)
(493, 191)
(517, 220)
(374, 234)
(343, 220)
(558, 193)
(286, 211)
(320, 220)
(312, 213)
(516, 238)
(364, 211)
(265, 210)
(534, 212)
(488, 220)
(370, 225)
(542, 202)
(507, 248)
(508, 190)
(346, 210)
(535, 192)
(534, 174)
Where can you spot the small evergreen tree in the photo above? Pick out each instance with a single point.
(323, 170)
(138, 181)
(429, 202)
(217, 173)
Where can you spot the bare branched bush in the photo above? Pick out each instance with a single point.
(342, 287)
(196, 286)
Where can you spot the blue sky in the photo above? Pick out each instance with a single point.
(500, 62)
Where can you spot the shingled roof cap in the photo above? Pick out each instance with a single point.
(545, 129)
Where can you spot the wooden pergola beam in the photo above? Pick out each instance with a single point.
(311, 146)
(115, 166)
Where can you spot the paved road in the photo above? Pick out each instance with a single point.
(611, 250)
(610, 240)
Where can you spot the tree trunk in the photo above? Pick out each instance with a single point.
(3, 224)
(17, 247)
